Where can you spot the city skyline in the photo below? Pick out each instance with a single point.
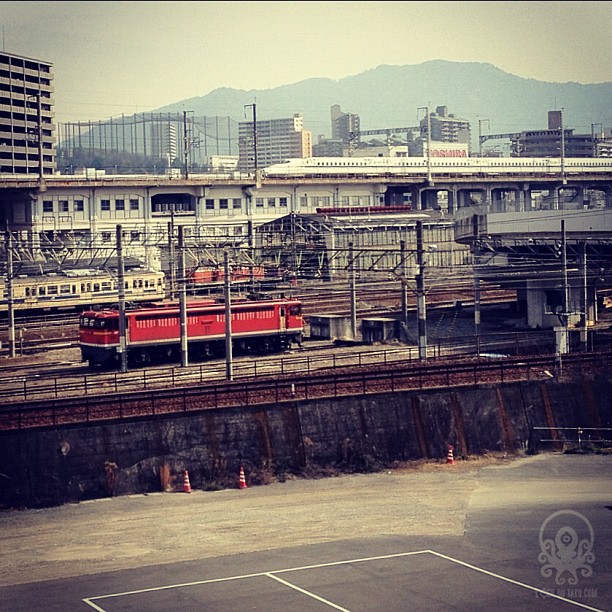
(117, 58)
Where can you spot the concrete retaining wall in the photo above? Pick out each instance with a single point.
(54, 466)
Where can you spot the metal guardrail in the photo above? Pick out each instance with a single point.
(31, 387)
(579, 438)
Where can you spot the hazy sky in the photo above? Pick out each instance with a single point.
(124, 57)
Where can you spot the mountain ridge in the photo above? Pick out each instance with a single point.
(390, 96)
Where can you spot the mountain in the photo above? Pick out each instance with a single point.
(394, 96)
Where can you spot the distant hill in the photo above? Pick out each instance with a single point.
(390, 96)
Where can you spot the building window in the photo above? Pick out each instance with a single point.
(106, 236)
(223, 203)
(271, 202)
(237, 203)
(105, 204)
(210, 204)
(119, 204)
(134, 235)
(259, 202)
(134, 204)
(79, 206)
(282, 202)
(47, 206)
(63, 206)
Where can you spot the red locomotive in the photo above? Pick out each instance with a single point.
(153, 332)
(211, 275)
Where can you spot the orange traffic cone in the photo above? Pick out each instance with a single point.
(186, 484)
(242, 482)
(449, 458)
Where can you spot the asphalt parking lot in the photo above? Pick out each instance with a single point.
(527, 533)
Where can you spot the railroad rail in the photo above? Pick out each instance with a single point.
(63, 379)
(385, 378)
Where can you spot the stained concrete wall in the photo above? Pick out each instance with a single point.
(54, 466)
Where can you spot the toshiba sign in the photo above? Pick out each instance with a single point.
(449, 153)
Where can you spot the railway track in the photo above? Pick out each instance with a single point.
(383, 298)
(389, 377)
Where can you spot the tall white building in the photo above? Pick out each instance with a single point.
(27, 128)
(164, 141)
(262, 143)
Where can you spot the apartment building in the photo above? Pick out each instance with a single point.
(263, 143)
(345, 126)
(27, 128)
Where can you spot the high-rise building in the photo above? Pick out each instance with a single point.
(445, 127)
(345, 126)
(27, 128)
(164, 141)
(263, 143)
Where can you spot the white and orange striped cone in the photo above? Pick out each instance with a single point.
(242, 480)
(186, 483)
(450, 459)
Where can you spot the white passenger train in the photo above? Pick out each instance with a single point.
(79, 289)
(411, 167)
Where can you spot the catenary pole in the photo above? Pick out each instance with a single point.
(183, 299)
(229, 374)
(121, 286)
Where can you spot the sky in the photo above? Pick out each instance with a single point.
(113, 58)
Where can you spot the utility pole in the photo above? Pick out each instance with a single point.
(404, 285)
(420, 291)
(183, 299)
(9, 291)
(585, 299)
(186, 144)
(121, 286)
(353, 292)
(171, 254)
(254, 108)
(475, 264)
(563, 179)
(428, 117)
(561, 333)
(229, 375)
(566, 297)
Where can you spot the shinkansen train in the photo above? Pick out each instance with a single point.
(357, 167)
(80, 289)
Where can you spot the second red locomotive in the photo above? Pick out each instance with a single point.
(153, 332)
